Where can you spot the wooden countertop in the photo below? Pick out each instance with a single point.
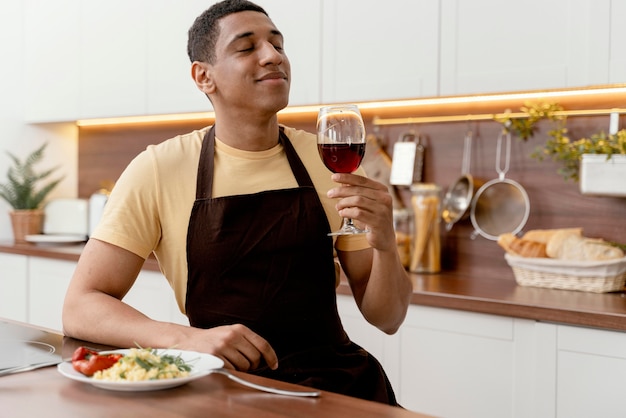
(46, 393)
(455, 290)
(68, 252)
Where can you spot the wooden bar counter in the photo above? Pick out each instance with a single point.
(45, 392)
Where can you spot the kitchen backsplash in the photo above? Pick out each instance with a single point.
(554, 202)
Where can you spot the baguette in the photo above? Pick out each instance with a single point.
(521, 246)
(568, 245)
(544, 235)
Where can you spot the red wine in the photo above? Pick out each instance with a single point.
(342, 158)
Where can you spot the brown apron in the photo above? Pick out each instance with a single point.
(264, 260)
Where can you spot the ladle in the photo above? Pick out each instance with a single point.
(459, 195)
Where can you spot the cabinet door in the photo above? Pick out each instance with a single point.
(152, 295)
(300, 24)
(374, 50)
(382, 346)
(169, 86)
(617, 63)
(13, 286)
(486, 48)
(48, 282)
(457, 364)
(52, 71)
(591, 365)
(113, 58)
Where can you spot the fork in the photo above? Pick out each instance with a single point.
(270, 389)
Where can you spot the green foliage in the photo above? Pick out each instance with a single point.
(568, 153)
(525, 127)
(559, 147)
(23, 190)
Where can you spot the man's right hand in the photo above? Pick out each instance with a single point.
(239, 347)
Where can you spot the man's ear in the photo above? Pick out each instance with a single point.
(201, 74)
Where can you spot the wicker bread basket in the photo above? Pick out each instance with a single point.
(586, 276)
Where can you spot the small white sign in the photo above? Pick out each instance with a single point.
(403, 163)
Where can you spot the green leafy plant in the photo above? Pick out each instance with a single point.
(569, 153)
(560, 147)
(526, 126)
(23, 190)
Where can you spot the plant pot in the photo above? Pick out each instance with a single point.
(602, 177)
(26, 222)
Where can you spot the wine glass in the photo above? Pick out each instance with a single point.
(341, 144)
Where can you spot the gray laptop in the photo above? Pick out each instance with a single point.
(22, 345)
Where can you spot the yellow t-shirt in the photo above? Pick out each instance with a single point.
(149, 208)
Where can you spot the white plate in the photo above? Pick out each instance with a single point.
(201, 365)
(55, 238)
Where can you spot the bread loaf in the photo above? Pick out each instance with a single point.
(522, 247)
(544, 235)
(568, 245)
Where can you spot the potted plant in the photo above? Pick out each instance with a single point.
(24, 192)
(579, 156)
(598, 162)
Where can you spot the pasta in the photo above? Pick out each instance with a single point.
(144, 364)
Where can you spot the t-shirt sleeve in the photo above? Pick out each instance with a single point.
(130, 219)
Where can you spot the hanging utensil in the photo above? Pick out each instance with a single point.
(501, 205)
(408, 160)
(377, 166)
(420, 150)
(459, 196)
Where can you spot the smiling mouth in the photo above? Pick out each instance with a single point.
(274, 76)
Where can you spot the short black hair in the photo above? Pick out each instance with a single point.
(205, 30)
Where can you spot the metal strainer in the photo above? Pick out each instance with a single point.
(501, 205)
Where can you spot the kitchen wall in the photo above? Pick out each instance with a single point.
(16, 136)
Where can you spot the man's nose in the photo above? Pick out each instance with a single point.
(270, 55)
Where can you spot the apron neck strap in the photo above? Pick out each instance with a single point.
(204, 182)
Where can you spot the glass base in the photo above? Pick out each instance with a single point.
(348, 228)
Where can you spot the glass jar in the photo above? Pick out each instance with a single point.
(426, 248)
(403, 225)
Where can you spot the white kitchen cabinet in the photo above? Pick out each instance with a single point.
(52, 57)
(152, 295)
(300, 22)
(451, 363)
(590, 370)
(487, 47)
(373, 50)
(13, 286)
(84, 59)
(113, 58)
(118, 58)
(382, 346)
(462, 364)
(48, 280)
(169, 86)
(617, 54)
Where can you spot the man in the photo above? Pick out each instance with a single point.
(249, 259)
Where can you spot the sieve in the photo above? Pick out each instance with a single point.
(501, 205)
